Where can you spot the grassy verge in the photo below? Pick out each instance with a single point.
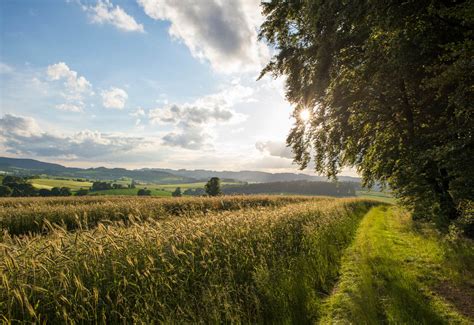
(249, 266)
(394, 273)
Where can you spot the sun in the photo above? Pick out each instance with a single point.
(305, 115)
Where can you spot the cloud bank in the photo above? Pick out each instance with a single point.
(275, 149)
(23, 136)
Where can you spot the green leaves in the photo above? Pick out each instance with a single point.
(391, 88)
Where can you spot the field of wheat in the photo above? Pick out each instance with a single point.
(205, 260)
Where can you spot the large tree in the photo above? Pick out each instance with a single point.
(389, 89)
(213, 186)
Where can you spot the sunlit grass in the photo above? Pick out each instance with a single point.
(390, 273)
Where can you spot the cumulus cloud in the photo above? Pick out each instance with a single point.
(191, 137)
(114, 98)
(193, 121)
(76, 86)
(104, 12)
(191, 124)
(190, 115)
(221, 32)
(23, 136)
(274, 148)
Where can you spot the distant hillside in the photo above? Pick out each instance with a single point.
(32, 167)
(153, 175)
(295, 187)
(253, 176)
(29, 164)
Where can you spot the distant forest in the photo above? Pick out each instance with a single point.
(295, 187)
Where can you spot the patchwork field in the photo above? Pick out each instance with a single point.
(49, 183)
(156, 189)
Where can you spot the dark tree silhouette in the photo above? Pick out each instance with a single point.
(384, 87)
(213, 186)
(176, 192)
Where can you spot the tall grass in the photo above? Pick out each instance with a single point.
(31, 215)
(247, 266)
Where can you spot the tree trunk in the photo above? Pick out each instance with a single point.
(439, 180)
(446, 201)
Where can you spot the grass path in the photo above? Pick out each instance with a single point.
(396, 274)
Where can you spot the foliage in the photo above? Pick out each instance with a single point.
(248, 266)
(176, 192)
(18, 186)
(195, 192)
(57, 191)
(5, 191)
(100, 186)
(82, 192)
(65, 191)
(388, 86)
(44, 192)
(213, 186)
(144, 192)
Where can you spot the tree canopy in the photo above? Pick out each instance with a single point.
(176, 192)
(213, 186)
(388, 86)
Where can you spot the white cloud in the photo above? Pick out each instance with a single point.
(114, 98)
(190, 137)
(18, 126)
(104, 12)
(190, 115)
(275, 149)
(23, 136)
(221, 32)
(193, 122)
(76, 86)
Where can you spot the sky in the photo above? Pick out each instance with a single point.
(140, 83)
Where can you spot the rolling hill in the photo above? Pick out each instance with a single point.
(152, 175)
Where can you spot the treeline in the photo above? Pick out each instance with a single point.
(102, 186)
(295, 187)
(20, 187)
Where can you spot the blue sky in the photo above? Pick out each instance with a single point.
(145, 83)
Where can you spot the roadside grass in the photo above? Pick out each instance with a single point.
(380, 196)
(397, 273)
